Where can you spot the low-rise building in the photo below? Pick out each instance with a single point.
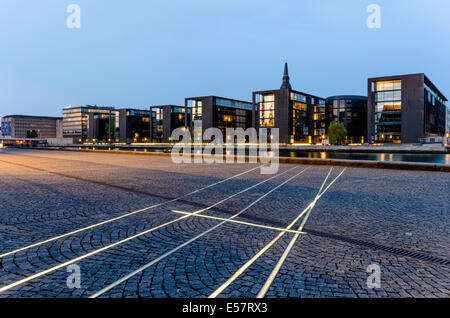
(101, 126)
(76, 121)
(132, 125)
(351, 111)
(165, 119)
(22, 126)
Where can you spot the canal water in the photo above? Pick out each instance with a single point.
(402, 157)
(389, 157)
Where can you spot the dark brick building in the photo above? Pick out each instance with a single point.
(132, 125)
(124, 125)
(351, 111)
(404, 109)
(219, 112)
(299, 117)
(100, 126)
(82, 123)
(165, 119)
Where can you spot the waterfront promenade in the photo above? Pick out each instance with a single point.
(142, 226)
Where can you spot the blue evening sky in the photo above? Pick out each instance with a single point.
(138, 53)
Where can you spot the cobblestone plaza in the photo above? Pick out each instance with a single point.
(126, 222)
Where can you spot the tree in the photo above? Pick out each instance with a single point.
(32, 134)
(109, 130)
(337, 133)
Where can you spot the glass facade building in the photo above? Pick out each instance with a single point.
(404, 109)
(388, 111)
(266, 107)
(165, 119)
(157, 124)
(132, 126)
(101, 127)
(218, 112)
(319, 120)
(106, 124)
(351, 111)
(435, 114)
(76, 121)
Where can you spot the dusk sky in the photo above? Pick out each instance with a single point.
(140, 53)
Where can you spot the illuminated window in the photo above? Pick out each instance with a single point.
(227, 118)
(266, 108)
(300, 106)
(298, 97)
(159, 114)
(388, 107)
(197, 109)
(388, 85)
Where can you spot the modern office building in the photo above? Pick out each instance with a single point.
(351, 111)
(165, 119)
(20, 126)
(218, 112)
(76, 121)
(131, 125)
(124, 125)
(299, 117)
(101, 126)
(448, 122)
(404, 109)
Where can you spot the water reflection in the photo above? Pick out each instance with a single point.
(402, 157)
(390, 157)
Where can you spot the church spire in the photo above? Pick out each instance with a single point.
(286, 83)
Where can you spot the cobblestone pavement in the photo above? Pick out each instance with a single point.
(398, 220)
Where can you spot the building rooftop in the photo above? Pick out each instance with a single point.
(292, 90)
(88, 106)
(31, 116)
(155, 106)
(132, 109)
(213, 96)
(356, 97)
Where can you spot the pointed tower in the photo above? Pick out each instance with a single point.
(286, 84)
